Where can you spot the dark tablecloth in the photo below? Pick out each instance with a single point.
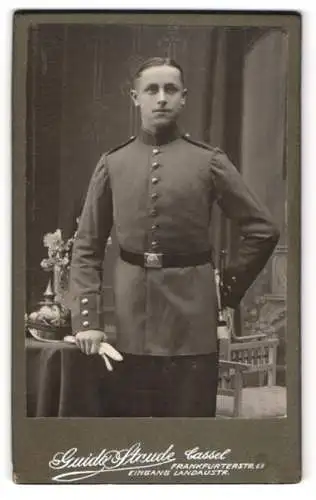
(64, 382)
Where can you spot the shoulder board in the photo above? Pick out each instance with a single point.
(200, 144)
(116, 148)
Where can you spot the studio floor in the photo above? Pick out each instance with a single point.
(257, 402)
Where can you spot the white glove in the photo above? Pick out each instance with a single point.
(105, 351)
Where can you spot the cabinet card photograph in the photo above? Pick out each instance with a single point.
(156, 170)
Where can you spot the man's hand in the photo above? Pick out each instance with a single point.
(89, 341)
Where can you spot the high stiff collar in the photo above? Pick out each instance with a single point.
(164, 136)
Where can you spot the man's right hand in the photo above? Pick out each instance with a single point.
(89, 341)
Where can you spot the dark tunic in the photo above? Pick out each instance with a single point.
(159, 193)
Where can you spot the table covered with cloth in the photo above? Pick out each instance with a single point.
(64, 382)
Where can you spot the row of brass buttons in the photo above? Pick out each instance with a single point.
(154, 196)
(85, 312)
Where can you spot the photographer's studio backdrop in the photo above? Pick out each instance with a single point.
(78, 106)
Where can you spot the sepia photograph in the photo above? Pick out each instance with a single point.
(156, 223)
(191, 182)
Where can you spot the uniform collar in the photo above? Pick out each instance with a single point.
(165, 136)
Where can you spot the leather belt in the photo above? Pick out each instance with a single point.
(158, 260)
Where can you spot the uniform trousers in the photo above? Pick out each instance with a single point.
(161, 386)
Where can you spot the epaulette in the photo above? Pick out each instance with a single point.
(116, 148)
(200, 144)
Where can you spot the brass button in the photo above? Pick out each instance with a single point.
(153, 212)
(154, 227)
(85, 312)
(155, 151)
(154, 180)
(234, 278)
(154, 244)
(85, 323)
(155, 164)
(154, 196)
(84, 301)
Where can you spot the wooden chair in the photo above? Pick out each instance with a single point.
(241, 356)
(230, 382)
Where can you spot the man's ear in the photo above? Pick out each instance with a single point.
(184, 96)
(134, 97)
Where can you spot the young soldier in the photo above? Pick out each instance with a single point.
(158, 189)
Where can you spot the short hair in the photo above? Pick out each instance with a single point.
(158, 61)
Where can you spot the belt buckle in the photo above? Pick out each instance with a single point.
(153, 260)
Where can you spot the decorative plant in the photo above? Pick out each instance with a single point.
(59, 252)
(59, 259)
(258, 314)
(255, 321)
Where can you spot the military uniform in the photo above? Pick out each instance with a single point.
(159, 190)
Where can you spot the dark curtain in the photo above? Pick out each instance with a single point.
(43, 148)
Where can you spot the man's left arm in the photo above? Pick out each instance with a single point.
(259, 234)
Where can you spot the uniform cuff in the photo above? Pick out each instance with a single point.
(87, 313)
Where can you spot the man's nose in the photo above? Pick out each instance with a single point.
(161, 96)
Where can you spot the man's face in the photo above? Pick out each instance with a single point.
(160, 95)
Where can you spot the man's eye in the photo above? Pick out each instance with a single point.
(151, 90)
(170, 89)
